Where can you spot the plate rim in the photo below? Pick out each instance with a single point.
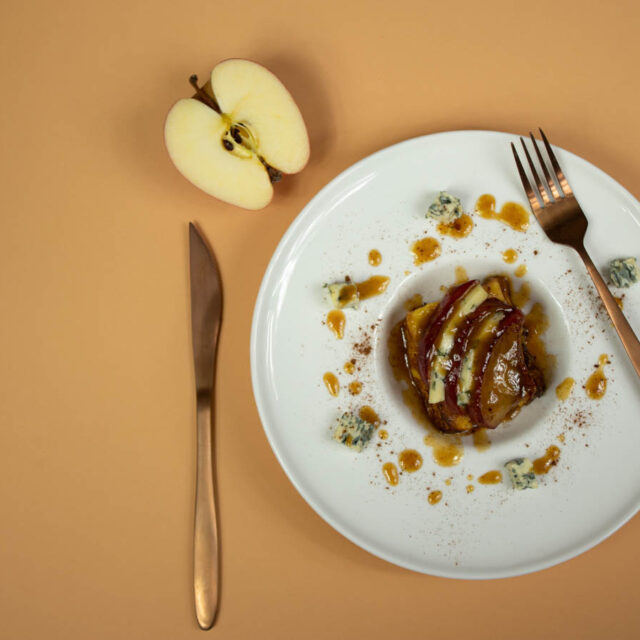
(282, 246)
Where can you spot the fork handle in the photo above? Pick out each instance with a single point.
(629, 339)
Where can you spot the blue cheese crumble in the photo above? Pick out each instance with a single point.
(343, 295)
(624, 272)
(521, 474)
(353, 431)
(445, 208)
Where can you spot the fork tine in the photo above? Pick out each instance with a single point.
(564, 185)
(533, 201)
(547, 175)
(541, 190)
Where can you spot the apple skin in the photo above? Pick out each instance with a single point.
(464, 337)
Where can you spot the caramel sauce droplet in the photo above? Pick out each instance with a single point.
(510, 256)
(536, 323)
(349, 366)
(425, 250)
(410, 460)
(548, 460)
(446, 449)
(383, 434)
(390, 473)
(460, 228)
(461, 275)
(336, 321)
(521, 270)
(374, 286)
(522, 295)
(596, 385)
(563, 390)
(331, 382)
(491, 477)
(619, 301)
(470, 488)
(375, 257)
(367, 414)
(435, 497)
(347, 294)
(481, 440)
(355, 387)
(511, 213)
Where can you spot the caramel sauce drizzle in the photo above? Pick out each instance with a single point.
(460, 228)
(375, 257)
(596, 385)
(332, 383)
(549, 459)
(563, 390)
(511, 213)
(336, 321)
(390, 473)
(491, 477)
(410, 460)
(425, 250)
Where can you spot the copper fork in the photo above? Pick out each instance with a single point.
(561, 218)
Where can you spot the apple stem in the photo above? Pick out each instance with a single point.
(202, 95)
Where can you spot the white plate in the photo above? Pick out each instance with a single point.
(495, 531)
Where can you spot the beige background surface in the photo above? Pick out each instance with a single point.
(96, 403)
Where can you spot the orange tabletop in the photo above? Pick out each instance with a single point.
(97, 415)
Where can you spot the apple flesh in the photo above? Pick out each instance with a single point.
(445, 310)
(472, 332)
(238, 134)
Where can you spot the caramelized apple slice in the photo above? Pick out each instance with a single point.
(472, 342)
(498, 287)
(503, 384)
(412, 330)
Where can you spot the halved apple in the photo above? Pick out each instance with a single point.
(238, 134)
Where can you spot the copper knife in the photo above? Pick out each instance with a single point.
(206, 315)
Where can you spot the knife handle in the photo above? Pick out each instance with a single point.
(205, 544)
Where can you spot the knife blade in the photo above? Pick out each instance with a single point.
(206, 316)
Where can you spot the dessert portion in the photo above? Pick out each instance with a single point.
(467, 357)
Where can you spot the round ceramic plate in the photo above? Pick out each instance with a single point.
(493, 530)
